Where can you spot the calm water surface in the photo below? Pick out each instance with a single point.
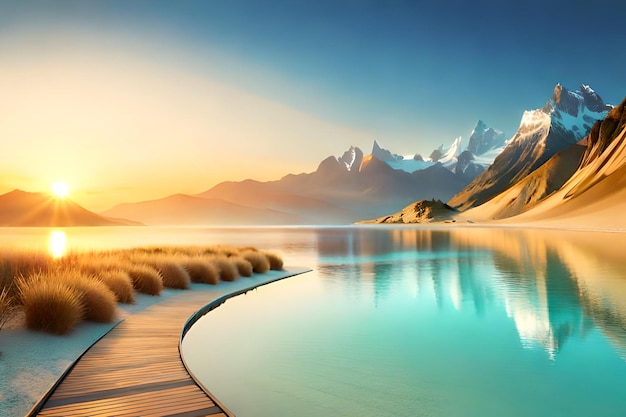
(407, 322)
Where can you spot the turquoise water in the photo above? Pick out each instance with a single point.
(419, 322)
(398, 321)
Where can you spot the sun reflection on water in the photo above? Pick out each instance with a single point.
(57, 243)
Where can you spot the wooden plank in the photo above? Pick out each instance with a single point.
(136, 370)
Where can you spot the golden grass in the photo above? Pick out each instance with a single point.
(145, 279)
(174, 275)
(15, 263)
(7, 306)
(244, 268)
(260, 263)
(50, 306)
(226, 250)
(276, 261)
(201, 271)
(98, 300)
(119, 282)
(227, 270)
(247, 248)
(56, 294)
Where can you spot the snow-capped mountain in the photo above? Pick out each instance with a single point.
(404, 163)
(341, 190)
(485, 139)
(352, 158)
(484, 145)
(445, 156)
(582, 184)
(564, 120)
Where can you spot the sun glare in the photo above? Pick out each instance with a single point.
(60, 189)
(57, 243)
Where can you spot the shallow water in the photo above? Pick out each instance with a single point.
(425, 322)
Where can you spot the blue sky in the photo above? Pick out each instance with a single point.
(410, 74)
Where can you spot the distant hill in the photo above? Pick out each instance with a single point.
(341, 190)
(338, 192)
(24, 209)
(423, 211)
(186, 210)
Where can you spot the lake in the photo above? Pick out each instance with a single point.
(404, 321)
(426, 322)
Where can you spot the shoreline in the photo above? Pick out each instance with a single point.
(33, 362)
(493, 225)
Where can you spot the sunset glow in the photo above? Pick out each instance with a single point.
(187, 94)
(60, 189)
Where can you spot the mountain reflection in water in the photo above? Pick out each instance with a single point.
(555, 285)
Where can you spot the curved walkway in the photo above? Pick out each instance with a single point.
(136, 369)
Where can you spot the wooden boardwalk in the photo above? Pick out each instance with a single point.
(136, 370)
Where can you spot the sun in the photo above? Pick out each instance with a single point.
(60, 189)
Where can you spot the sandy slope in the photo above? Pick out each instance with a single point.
(591, 197)
(595, 196)
(531, 190)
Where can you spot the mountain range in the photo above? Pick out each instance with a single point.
(561, 154)
(341, 190)
(565, 165)
(564, 120)
(595, 194)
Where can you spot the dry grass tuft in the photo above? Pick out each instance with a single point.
(99, 301)
(87, 284)
(227, 270)
(119, 282)
(276, 261)
(201, 271)
(248, 248)
(173, 274)
(145, 279)
(260, 263)
(243, 266)
(7, 306)
(15, 263)
(225, 250)
(50, 306)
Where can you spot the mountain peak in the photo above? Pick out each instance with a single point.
(352, 158)
(565, 119)
(576, 102)
(593, 100)
(330, 164)
(484, 138)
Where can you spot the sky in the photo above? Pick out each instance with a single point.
(135, 100)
